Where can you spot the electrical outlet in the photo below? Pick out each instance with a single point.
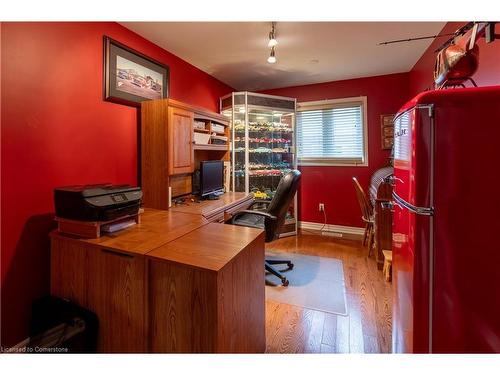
(321, 207)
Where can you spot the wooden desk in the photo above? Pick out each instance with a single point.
(157, 227)
(206, 292)
(121, 277)
(216, 210)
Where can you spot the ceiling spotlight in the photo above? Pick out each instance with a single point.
(272, 36)
(272, 58)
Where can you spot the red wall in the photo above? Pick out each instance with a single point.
(333, 185)
(57, 130)
(488, 73)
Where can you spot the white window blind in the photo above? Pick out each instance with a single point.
(331, 132)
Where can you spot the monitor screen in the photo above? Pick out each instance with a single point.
(211, 177)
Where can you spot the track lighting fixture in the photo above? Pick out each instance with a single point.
(272, 58)
(272, 43)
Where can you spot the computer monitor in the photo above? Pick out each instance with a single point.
(211, 178)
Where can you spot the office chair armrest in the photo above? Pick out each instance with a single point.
(260, 201)
(252, 212)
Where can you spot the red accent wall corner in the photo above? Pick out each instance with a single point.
(57, 130)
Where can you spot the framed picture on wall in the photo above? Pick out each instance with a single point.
(387, 131)
(131, 77)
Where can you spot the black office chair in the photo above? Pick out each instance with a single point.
(272, 218)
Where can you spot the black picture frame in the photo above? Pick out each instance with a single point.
(136, 80)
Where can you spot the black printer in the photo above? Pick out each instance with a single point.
(101, 202)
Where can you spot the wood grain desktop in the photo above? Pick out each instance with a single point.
(173, 283)
(157, 227)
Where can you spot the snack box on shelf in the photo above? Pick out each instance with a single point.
(199, 125)
(201, 138)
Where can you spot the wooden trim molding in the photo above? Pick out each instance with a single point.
(336, 230)
(199, 112)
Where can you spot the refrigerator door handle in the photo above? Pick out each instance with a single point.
(427, 211)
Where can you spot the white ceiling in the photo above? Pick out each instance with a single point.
(308, 52)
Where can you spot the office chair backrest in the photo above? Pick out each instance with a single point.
(285, 192)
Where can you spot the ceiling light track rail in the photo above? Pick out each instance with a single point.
(273, 42)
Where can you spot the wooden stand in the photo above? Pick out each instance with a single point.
(91, 229)
(387, 271)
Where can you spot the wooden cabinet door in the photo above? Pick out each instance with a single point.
(116, 292)
(111, 284)
(180, 141)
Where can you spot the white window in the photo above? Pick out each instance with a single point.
(332, 132)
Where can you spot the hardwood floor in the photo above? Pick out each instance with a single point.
(367, 326)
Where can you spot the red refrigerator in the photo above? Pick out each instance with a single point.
(446, 234)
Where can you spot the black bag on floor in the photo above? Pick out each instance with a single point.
(60, 326)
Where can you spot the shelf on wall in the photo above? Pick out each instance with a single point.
(242, 131)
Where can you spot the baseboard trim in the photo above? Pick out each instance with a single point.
(340, 230)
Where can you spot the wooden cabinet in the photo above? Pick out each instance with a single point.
(154, 167)
(168, 150)
(180, 141)
(171, 284)
(109, 283)
(208, 296)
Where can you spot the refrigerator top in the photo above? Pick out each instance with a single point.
(456, 96)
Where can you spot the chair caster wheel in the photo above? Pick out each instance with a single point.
(290, 266)
(285, 282)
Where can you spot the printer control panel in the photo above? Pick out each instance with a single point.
(119, 198)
